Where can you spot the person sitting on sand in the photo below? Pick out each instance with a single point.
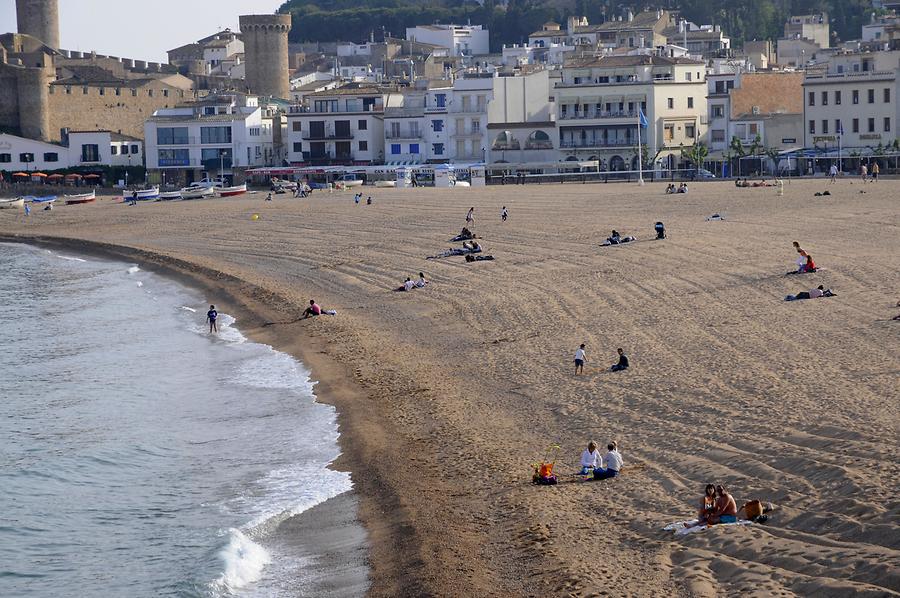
(726, 508)
(613, 461)
(408, 285)
(819, 291)
(590, 459)
(671, 189)
(473, 246)
(707, 504)
(421, 282)
(369, 200)
(683, 188)
(313, 310)
(623, 362)
(660, 229)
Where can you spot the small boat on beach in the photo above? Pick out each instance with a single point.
(72, 200)
(196, 192)
(170, 195)
(142, 194)
(45, 199)
(12, 204)
(232, 191)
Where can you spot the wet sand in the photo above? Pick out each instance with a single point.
(447, 394)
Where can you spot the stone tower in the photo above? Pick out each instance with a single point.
(40, 19)
(266, 54)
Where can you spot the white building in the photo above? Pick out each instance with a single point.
(522, 120)
(599, 99)
(468, 116)
(219, 54)
(856, 93)
(222, 134)
(550, 54)
(339, 126)
(84, 149)
(416, 126)
(460, 40)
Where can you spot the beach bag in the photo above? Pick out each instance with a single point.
(752, 509)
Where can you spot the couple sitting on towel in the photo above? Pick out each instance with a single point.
(411, 284)
(616, 239)
(592, 462)
(717, 506)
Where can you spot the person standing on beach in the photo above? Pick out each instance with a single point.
(579, 359)
(863, 172)
(211, 316)
(470, 218)
(504, 214)
(833, 171)
(875, 170)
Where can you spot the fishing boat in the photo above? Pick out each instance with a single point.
(12, 204)
(72, 200)
(142, 194)
(196, 192)
(45, 199)
(170, 195)
(231, 191)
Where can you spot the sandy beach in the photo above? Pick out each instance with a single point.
(448, 394)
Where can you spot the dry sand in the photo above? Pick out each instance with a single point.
(447, 394)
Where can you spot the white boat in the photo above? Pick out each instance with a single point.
(142, 194)
(231, 191)
(196, 192)
(12, 204)
(462, 184)
(170, 195)
(284, 184)
(385, 184)
(80, 198)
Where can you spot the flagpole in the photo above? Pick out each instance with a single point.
(840, 149)
(640, 158)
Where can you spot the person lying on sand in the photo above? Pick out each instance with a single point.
(707, 504)
(479, 258)
(623, 362)
(464, 235)
(591, 459)
(616, 239)
(467, 248)
(726, 507)
(613, 461)
(819, 291)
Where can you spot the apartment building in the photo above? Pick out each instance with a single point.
(855, 93)
(223, 134)
(340, 126)
(468, 116)
(522, 120)
(599, 99)
(416, 126)
(460, 40)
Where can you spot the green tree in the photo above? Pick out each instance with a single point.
(738, 151)
(696, 154)
(772, 153)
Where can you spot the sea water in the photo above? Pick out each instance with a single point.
(139, 454)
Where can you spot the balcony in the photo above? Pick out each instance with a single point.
(401, 135)
(469, 133)
(597, 143)
(405, 112)
(327, 136)
(599, 114)
(476, 109)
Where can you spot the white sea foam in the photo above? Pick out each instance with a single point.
(273, 369)
(243, 562)
(186, 308)
(140, 284)
(70, 258)
(133, 270)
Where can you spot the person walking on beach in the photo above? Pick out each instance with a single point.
(504, 214)
(470, 218)
(863, 172)
(133, 198)
(833, 171)
(875, 170)
(211, 316)
(579, 359)
(357, 198)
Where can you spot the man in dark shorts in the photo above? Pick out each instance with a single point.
(211, 316)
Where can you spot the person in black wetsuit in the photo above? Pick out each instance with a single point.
(623, 362)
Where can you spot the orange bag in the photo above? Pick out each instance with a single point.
(752, 509)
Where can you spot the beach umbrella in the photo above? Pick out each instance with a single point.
(73, 175)
(92, 176)
(55, 176)
(20, 174)
(38, 175)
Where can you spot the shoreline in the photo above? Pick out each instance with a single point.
(257, 319)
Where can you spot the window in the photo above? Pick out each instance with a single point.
(690, 102)
(505, 141)
(437, 125)
(209, 110)
(668, 132)
(5, 158)
(476, 126)
(887, 95)
(165, 93)
(363, 146)
(671, 103)
(26, 157)
(215, 158)
(298, 147)
(539, 140)
(174, 157)
(689, 130)
(54, 157)
(871, 96)
(441, 100)
(125, 150)
(150, 93)
(718, 135)
(856, 96)
(812, 127)
(325, 106)
(114, 150)
(687, 76)
(856, 125)
(838, 127)
(395, 130)
(90, 152)
(172, 136)
(134, 149)
(215, 134)
(84, 91)
(837, 97)
(887, 124)
(414, 148)
(437, 149)
(342, 129)
(811, 98)
(68, 90)
(824, 98)
(296, 126)
(395, 148)
(718, 112)
(824, 127)
(362, 125)
(871, 125)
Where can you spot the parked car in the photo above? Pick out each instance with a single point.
(702, 173)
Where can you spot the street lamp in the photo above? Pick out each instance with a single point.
(126, 171)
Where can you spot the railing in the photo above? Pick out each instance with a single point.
(469, 133)
(403, 135)
(404, 112)
(850, 74)
(595, 143)
(327, 136)
(599, 114)
(469, 109)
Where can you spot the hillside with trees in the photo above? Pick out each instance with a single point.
(356, 20)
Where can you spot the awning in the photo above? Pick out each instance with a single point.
(20, 174)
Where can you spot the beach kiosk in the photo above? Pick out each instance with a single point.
(477, 175)
(404, 177)
(444, 176)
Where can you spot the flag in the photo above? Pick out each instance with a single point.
(643, 119)
(840, 130)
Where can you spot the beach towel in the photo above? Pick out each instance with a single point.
(715, 217)
(683, 528)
